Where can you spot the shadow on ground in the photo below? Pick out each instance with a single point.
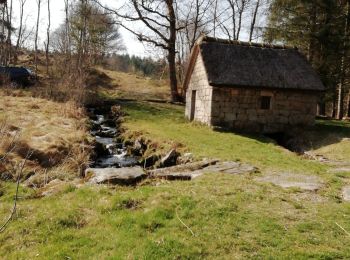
(299, 140)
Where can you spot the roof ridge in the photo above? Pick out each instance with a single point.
(205, 38)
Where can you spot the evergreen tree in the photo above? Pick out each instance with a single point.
(318, 29)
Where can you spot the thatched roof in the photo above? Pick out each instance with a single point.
(241, 64)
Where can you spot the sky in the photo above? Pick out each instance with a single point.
(133, 46)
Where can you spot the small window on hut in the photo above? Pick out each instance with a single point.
(265, 102)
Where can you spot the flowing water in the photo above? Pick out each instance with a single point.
(109, 153)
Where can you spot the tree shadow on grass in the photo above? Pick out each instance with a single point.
(299, 140)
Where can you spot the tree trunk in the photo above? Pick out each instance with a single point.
(340, 105)
(19, 36)
(340, 100)
(347, 103)
(241, 10)
(9, 34)
(2, 47)
(215, 17)
(36, 37)
(82, 48)
(252, 26)
(172, 76)
(48, 36)
(334, 107)
(67, 43)
(313, 32)
(172, 53)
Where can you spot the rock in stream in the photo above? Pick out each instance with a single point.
(122, 176)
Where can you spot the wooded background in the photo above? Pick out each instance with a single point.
(90, 35)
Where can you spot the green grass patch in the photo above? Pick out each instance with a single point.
(230, 216)
(164, 122)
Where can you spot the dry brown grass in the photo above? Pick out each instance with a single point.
(54, 132)
(128, 85)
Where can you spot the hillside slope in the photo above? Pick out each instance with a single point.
(216, 216)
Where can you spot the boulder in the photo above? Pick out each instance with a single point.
(122, 176)
(169, 159)
(101, 149)
(139, 147)
(150, 161)
(94, 127)
(106, 131)
(186, 158)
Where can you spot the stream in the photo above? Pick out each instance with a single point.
(108, 152)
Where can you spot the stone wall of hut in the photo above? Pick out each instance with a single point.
(241, 109)
(199, 87)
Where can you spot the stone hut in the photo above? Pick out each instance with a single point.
(249, 86)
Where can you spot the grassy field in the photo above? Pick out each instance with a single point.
(55, 134)
(165, 124)
(128, 85)
(230, 217)
(215, 216)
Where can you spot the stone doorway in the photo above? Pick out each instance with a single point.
(193, 104)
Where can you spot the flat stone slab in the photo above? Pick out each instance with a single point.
(340, 169)
(346, 193)
(336, 165)
(197, 169)
(188, 167)
(290, 180)
(230, 168)
(123, 176)
(183, 176)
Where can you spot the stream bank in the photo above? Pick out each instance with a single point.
(117, 159)
(127, 160)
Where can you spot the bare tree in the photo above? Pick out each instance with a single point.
(252, 26)
(36, 35)
(82, 13)
(233, 9)
(27, 33)
(160, 19)
(20, 29)
(47, 44)
(9, 32)
(231, 16)
(239, 18)
(6, 29)
(241, 5)
(67, 27)
(196, 19)
(215, 16)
